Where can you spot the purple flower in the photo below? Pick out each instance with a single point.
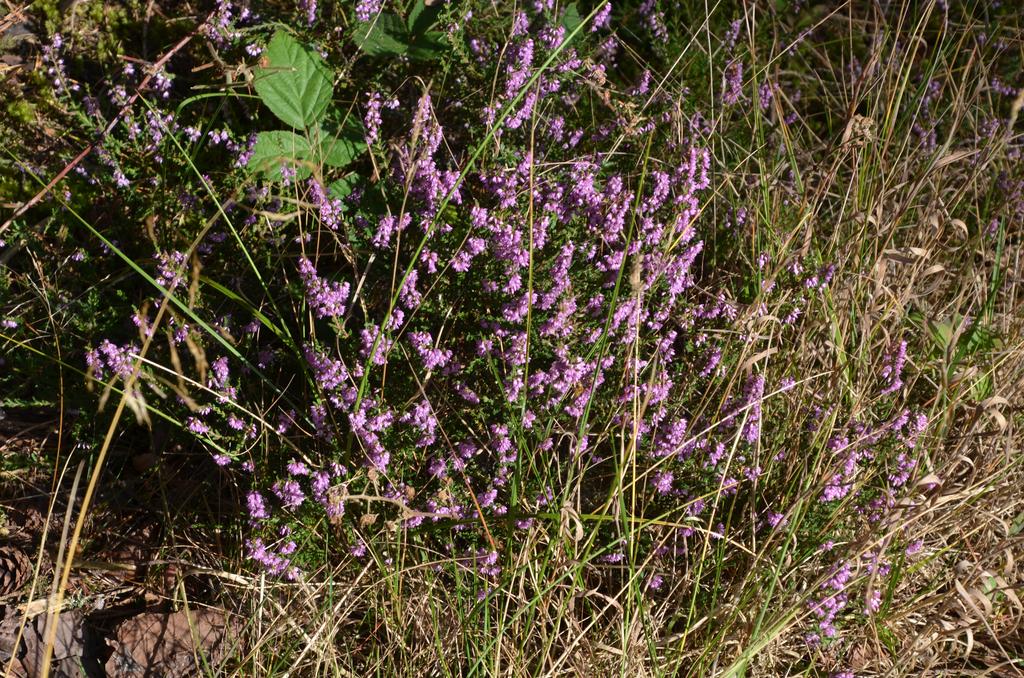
(662, 482)
(387, 226)
(330, 208)
(873, 602)
(197, 427)
(328, 299)
(219, 373)
(892, 367)
(654, 19)
(290, 494)
(602, 19)
(55, 69)
(765, 95)
(372, 119)
(433, 358)
(368, 9)
(257, 506)
(732, 83)
(276, 564)
(171, 269)
(309, 8)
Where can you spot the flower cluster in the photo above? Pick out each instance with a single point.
(327, 299)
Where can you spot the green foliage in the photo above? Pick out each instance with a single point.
(21, 110)
(279, 148)
(338, 148)
(387, 35)
(296, 86)
(241, 296)
(293, 82)
(571, 20)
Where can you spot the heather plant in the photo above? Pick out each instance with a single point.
(627, 338)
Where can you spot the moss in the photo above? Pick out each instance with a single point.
(20, 111)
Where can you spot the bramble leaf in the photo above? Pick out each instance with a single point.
(571, 19)
(294, 82)
(429, 45)
(384, 34)
(340, 150)
(339, 140)
(423, 16)
(343, 187)
(277, 149)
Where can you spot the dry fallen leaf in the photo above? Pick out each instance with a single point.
(168, 645)
(68, 647)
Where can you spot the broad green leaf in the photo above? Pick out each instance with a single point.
(571, 19)
(293, 82)
(384, 34)
(343, 187)
(274, 150)
(340, 141)
(978, 338)
(942, 334)
(422, 17)
(430, 45)
(340, 151)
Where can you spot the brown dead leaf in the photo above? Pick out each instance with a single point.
(68, 647)
(168, 645)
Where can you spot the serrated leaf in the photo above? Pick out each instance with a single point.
(277, 149)
(293, 82)
(385, 34)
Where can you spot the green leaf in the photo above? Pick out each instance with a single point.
(273, 150)
(430, 45)
(340, 141)
(293, 82)
(422, 17)
(1017, 526)
(571, 20)
(982, 388)
(343, 187)
(385, 34)
(978, 338)
(339, 151)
